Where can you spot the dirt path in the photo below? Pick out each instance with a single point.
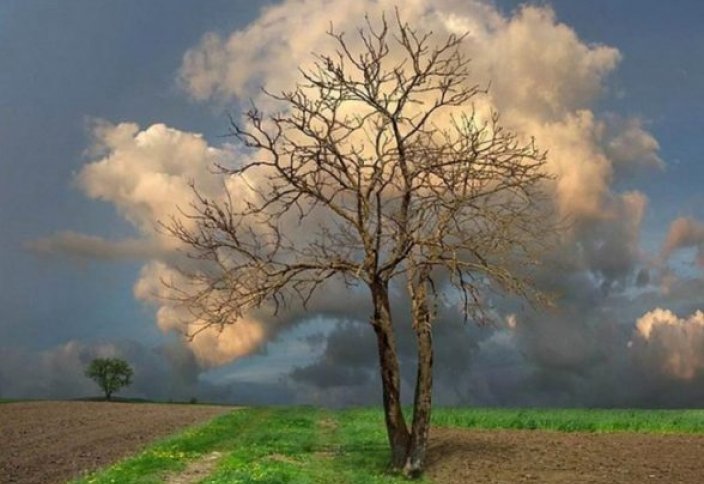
(50, 442)
(508, 456)
(196, 470)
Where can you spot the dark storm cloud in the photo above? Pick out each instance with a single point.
(586, 351)
(347, 372)
(572, 354)
(349, 359)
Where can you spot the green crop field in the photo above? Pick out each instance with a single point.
(574, 420)
(312, 445)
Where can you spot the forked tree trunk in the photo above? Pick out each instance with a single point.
(418, 443)
(390, 376)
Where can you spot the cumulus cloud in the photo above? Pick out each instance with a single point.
(211, 346)
(674, 345)
(536, 64)
(560, 77)
(146, 174)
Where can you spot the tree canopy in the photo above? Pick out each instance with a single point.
(110, 374)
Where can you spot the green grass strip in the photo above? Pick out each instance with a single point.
(573, 420)
(308, 446)
(269, 445)
(280, 448)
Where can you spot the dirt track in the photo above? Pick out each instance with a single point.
(48, 442)
(522, 456)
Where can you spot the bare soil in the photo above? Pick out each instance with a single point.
(529, 456)
(50, 442)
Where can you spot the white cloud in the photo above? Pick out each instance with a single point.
(675, 345)
(213, 346)
(146, 174)
(544, 79)
(540, 67)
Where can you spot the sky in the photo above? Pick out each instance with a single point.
(107, 109)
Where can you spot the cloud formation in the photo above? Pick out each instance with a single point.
(146, 174)
(545, 81)
(675, 344)
(90, 247)
(631, 147)
(685, 233)
(561, 77)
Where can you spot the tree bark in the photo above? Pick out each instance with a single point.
(418, 442)
(390, 375)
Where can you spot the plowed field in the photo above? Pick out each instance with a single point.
(459, 456)
(49, 442)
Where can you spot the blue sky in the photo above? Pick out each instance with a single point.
(65, 64)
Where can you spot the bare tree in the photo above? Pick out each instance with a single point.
(380, 156)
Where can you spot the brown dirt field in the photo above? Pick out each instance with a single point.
(49, 442)
(521, 456)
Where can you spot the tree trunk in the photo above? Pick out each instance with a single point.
(418, 443)
(390, 375)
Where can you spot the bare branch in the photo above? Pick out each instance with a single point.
(377, 167)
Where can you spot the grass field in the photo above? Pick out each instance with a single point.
(309, 445)
(574, 420)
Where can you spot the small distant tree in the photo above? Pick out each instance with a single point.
(110, 374)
